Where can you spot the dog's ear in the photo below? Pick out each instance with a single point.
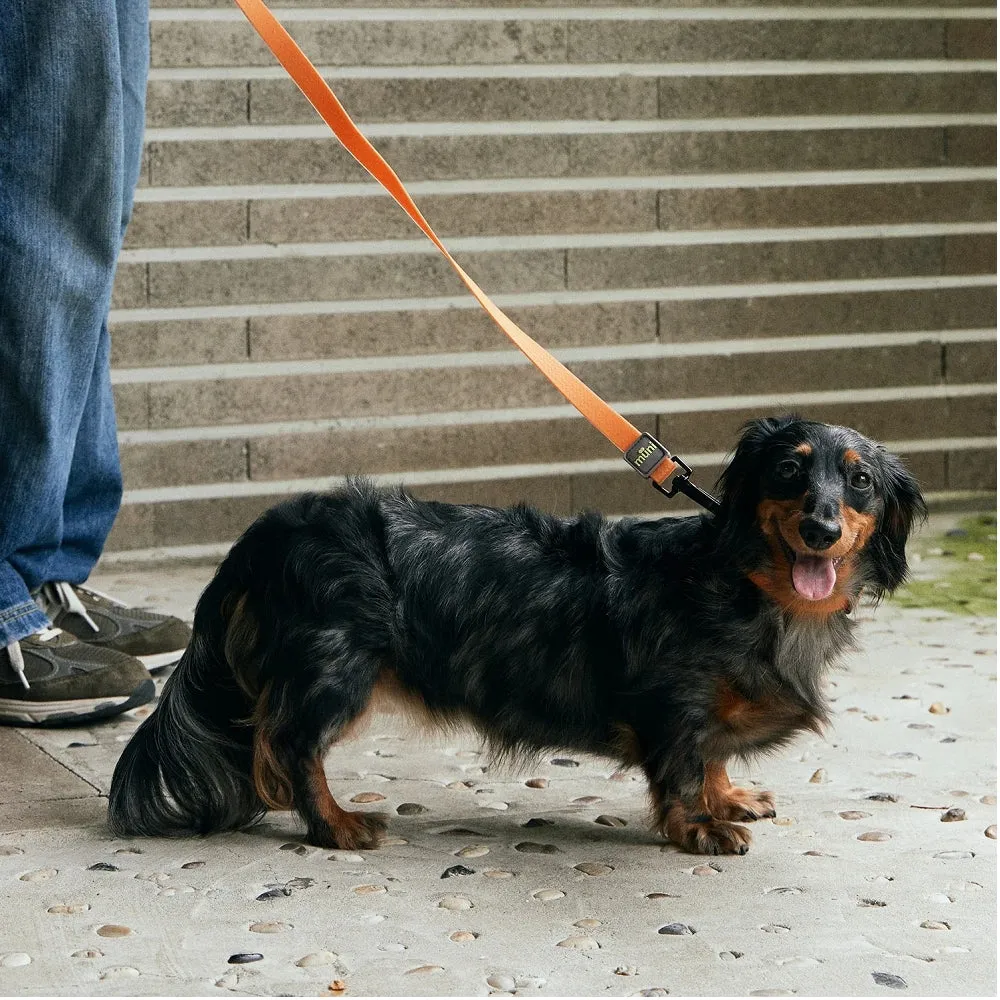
(738, 483)
(904, 507)
(738, 488)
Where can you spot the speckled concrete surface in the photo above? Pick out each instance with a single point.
(543, 883)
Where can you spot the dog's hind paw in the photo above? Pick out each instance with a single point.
(371, 829)
(355, 832)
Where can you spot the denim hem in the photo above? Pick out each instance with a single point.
(20, 621)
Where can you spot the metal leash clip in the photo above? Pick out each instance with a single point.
(646, 455)
(683, 484)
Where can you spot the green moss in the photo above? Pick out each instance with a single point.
(947, 578)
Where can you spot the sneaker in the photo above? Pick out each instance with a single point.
(98, 620)
(51, 678)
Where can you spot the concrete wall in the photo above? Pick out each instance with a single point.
(710, 212)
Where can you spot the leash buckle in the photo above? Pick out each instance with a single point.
(647, 453)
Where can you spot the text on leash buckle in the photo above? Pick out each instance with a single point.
(647, 454)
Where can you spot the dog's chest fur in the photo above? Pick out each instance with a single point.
(785, 695)
(805, 648)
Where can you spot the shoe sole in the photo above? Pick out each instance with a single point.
(160, 661)
(75, 711)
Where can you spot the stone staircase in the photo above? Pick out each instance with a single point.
(710, 212)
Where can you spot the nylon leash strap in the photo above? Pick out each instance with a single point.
(641, 451)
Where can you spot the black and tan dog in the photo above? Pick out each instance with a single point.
(671, 645)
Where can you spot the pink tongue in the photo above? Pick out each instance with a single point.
(814, 577)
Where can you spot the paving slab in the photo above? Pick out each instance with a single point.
(541, 882)
(32, 774)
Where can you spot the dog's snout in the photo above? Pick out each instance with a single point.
(819, 534)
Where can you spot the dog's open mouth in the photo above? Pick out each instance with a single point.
(813, 577)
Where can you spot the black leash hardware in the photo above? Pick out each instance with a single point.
(683, 484)
(647, 453)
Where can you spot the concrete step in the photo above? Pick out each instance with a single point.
(265, 95)
(310, 154)
(281, 452)
(455, 325)
(254, 393)
(212, 217)
(396, 37)
(397, 269)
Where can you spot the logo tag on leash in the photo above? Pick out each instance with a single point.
(645, 455)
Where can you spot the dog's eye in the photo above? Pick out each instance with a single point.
(861, 480)
(787, 470)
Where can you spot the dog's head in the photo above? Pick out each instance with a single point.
(814, 513)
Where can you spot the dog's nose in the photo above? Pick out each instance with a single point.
(819, 534)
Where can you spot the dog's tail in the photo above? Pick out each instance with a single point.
(192, 766)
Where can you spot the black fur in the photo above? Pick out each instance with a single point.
(617, 638)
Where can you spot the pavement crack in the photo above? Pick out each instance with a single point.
(48, 753)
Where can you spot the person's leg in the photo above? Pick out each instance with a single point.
(94, 488)
(61, 198)
(93, 492)
(62, 182)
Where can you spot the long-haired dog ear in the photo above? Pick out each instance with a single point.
(738, 486)
(904, 507)
(742, 470)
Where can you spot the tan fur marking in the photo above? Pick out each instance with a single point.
(771, 513)
(350, 831)
(625, 745)
(323, 800)
(272, 781)
(742, 724)
(780, 519)
(851, 456)
(861, 526)
(391, 697)
(703, 836)
(804, 449)
(721, 800)
(240, 643)
(715, 790)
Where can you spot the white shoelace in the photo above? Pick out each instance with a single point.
(65, 595)
(17, 659)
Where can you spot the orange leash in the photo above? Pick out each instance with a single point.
(642, 451)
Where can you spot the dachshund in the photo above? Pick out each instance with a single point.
(670, 645)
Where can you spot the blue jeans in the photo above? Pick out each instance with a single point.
(72, 102)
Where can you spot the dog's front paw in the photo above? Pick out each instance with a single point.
(746, 805)
(704, 834)
(716, 837)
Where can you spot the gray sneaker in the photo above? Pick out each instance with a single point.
(98, 620)
(51, 678)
